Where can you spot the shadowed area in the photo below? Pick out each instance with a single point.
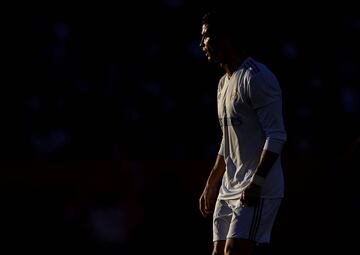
(109, 127)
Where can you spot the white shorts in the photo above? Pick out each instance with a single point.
(232, 220)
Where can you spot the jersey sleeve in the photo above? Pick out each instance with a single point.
(263, 90)
(271, 121)
(266, 99)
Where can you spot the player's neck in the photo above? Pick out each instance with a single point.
(232, 65)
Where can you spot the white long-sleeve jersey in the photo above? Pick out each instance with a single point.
(250, 115)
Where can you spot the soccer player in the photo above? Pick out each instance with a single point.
(245, 187)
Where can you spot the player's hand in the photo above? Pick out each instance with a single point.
(251, 195)
(207, 201)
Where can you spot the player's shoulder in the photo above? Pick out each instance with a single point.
(256, 70)
(253, 68)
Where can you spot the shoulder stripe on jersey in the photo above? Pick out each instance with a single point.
(256, 68)
(250, 68)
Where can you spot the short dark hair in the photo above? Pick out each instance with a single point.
(219, 23)
(229, 24)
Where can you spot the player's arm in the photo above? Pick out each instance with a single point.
(271, 121)
(266, 99)
(267, 102)
(209, 195)
(267, 160)
(216, 173)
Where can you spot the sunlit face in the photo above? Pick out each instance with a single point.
(207, 44)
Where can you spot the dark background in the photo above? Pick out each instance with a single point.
(109, 126)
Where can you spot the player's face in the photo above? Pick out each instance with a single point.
(208, 46)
